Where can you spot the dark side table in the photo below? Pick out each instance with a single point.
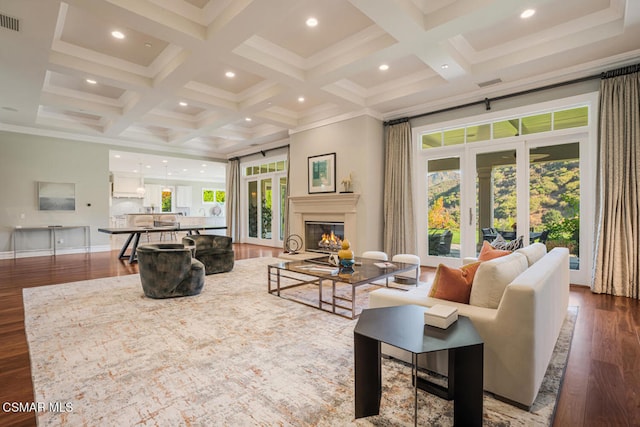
(403, 327)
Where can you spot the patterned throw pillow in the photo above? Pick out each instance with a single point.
(500, 243)
(454, 284)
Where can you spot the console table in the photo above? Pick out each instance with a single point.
(53, 237)
(403, 327)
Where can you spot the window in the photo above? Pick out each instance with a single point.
(276, 166)
(432, 140)
(571, 118)
(506, 128)
(166, 201)
(212, 195)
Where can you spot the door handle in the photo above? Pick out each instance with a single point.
(470, 216)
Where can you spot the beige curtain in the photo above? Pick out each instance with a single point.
(233, 199)
(286, 204)
(399, 229)
(617, 266)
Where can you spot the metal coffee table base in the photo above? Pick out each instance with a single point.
(276, 288)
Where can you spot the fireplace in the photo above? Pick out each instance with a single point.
(340, 209)
(323, 236)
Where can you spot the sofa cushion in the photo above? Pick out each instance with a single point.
(492, 278)
(488, 252)
(454, 284)
(533, 252)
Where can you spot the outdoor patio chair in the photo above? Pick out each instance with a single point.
(444, 247)
(489, 234)
(434, 243)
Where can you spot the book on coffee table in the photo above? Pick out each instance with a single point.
(440, 315)
(384, 264)
(320, 269)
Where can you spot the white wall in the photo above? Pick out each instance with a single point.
(359, 147)
(27, 159)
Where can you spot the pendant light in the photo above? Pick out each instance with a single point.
(166, 188)
(140, 190)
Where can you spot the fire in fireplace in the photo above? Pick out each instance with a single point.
(323, 237)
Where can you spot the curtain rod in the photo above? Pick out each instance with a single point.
(487, 101)
(263, 152)
(621, 71)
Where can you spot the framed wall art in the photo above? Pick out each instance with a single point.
(56, 196)
(322, 173)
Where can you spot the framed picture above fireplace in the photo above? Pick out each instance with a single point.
(322, 173)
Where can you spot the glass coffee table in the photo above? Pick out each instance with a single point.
(318, 271)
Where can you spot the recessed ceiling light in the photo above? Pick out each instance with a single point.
(117, 156)
(91, 81)
(185, 170)
(147, 44)
(183, 104)
(230, 74)
(201, 171)
(117, 34)
(444, 66)
(135, 171)
(383, 67)
(148, 166)
(301, 99)
(312, 22)
(527, 13)
(204, 165)
(165, 161)
(247, 119)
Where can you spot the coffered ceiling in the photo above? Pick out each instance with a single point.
(287, 76)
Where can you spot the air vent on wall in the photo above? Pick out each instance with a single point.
(9, 23)
(490, 82)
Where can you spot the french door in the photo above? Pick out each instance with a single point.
(534, 190)
(445, 233)
(264, 209)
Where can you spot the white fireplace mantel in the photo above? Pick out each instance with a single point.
(337, 207)
(333, 202)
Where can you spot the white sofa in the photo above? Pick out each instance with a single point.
(519, 328)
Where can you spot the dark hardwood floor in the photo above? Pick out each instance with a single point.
(601, 385)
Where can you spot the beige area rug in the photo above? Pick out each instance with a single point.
(231, 356)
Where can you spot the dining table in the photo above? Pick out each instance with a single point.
(135, 232)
